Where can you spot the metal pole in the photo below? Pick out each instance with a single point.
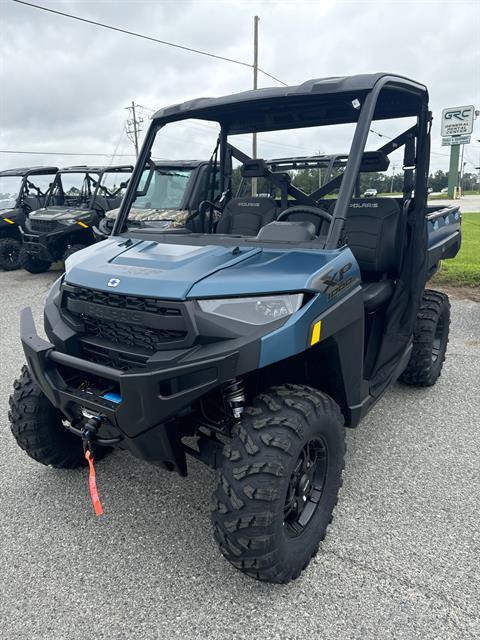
(460, 177)
(255, 86)
(453, 169)
(135, 132)
(394, 166)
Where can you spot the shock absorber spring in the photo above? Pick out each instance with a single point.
(234, 394)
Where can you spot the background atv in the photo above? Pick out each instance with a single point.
(172, 193)
(282, 320)
(78, 200)
(21, 191)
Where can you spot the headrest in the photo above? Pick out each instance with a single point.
(257, 205)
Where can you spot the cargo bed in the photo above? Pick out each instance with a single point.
(444, 235)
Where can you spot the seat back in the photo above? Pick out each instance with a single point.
(246, 216)
(374, 231)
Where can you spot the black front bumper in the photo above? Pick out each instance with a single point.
(148, 398)
(50, 246)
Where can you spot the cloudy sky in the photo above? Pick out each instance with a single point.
(64, 85)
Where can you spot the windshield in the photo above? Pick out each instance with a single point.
(9, 190)
(162, 189)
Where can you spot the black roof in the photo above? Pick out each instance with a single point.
(96, 169)
(29, 171)
(319, 101)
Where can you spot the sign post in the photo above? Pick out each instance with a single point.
(457, 125)
(453, 169)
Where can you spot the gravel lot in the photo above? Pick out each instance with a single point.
(401, 559)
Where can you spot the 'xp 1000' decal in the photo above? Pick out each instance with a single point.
(336, 280)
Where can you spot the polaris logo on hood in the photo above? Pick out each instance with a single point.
(113, 282)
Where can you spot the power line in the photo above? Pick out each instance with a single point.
(150, 38)
(65, 153)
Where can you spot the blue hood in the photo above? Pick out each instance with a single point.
(174, 271)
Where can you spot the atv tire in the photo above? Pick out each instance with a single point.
(73, 249)
(279, 482)
(430, 340)
(37, 427)
(32, 264)
(10, 254)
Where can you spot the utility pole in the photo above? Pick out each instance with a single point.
(394, 166)
(255, 86)
(133, 126)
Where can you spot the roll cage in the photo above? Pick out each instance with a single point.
(91, 186)
(26, 184)
(356, 99)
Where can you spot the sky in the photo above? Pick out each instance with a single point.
(65, 85)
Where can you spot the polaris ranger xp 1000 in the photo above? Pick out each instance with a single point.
(21, 191)
(251, 343)
(77, 201)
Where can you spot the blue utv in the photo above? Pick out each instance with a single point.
(251, 343)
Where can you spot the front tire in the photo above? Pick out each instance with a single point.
(32, 264)
(279, 482)
(430, 340)
(10, 254)
(37, 427)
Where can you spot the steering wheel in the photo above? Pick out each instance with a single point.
(314, 211)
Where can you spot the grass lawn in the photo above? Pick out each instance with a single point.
(464, 270)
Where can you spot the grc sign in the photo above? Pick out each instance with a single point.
(457, 121)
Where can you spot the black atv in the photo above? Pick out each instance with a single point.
(79, 198)
(21, 191)
(252, 342)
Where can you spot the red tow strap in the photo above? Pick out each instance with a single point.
(92, 485)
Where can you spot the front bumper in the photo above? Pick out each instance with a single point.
(148, 398)
(50, 246)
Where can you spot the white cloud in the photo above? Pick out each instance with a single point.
(65, 84)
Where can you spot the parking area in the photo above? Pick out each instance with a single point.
(467, 204)
(401, 558)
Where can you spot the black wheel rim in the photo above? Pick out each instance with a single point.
(306, 487)
(438, 338)
(11, 255)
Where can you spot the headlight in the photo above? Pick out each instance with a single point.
(257, 311)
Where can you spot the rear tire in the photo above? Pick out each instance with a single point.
(10, 254)
(279, 482)
(32, 264)
(430, 340)
(37, 427)
(73, 249)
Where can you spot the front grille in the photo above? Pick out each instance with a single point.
(142, 325)
(120, 301)
(111, 358)
(118, 332)
(44, 226)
